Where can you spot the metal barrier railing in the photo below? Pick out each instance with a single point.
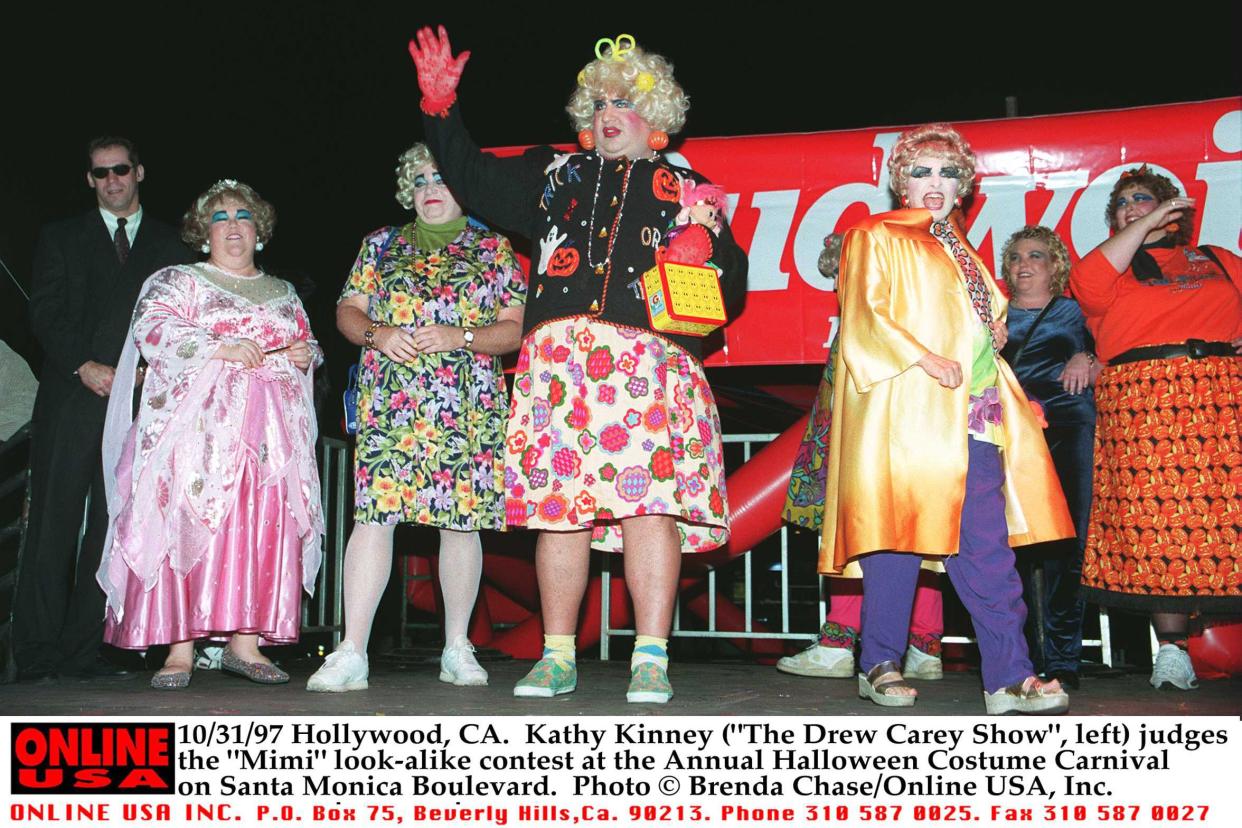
(745, 560)
(325, 612)
(14, 489)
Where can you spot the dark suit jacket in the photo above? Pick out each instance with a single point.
(82, 299)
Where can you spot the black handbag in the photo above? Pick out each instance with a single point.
(350, 397)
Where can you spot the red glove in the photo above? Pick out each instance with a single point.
(438, 71)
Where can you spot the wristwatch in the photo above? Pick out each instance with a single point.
(467, 335)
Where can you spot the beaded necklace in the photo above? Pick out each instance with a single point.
(599, 267)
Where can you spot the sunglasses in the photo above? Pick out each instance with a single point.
(121, 171)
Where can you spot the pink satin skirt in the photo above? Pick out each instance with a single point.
(248, 580)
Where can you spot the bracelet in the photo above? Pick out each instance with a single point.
(1090, 357)
(368, 337)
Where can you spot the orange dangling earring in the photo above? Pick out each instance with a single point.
(657, 139)
(586, 139)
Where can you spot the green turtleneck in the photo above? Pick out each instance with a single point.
(434, 236)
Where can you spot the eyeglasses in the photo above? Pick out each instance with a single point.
(121, 171)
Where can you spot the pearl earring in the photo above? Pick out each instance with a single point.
(206, 248)
(258, 246)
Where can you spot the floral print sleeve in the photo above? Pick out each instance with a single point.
(510, 278)
(364, 279)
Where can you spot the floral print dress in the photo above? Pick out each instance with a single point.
(431, 431)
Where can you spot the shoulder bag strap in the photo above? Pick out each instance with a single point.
(1013, 363)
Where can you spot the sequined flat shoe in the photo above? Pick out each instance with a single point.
(257, 671)
(171, 681)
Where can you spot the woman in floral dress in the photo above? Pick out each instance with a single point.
(434, 304)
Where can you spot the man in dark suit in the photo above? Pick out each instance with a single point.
(87, 274)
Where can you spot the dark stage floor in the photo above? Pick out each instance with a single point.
(409, 687)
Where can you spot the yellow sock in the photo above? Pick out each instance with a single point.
(652, 649)
(560, 647)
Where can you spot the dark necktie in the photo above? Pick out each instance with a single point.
(121, 240)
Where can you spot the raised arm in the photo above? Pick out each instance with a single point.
(503, 191)
(1120, 248)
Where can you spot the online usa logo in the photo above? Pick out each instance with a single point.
(76, 758)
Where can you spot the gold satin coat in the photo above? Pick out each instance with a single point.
(898, 452)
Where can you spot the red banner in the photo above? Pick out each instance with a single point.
(788, 191)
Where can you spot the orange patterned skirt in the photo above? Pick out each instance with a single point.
(1166, 512)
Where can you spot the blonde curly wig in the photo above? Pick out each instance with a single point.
(1056, 251)
(644, 78)
(196, 224)
(409, 165)
(939, 141)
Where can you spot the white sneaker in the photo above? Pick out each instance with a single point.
(344, 670)
(819, 662)
(459, 666)
(1173, 666)
(920, 665)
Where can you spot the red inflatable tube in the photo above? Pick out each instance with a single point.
(757, 497)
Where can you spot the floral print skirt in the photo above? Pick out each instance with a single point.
(1167, 508)
(611, 422)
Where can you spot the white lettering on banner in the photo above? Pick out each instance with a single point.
(1002, 214)
(1224, 186)
(827, 210)
(1064, 185)
(1088, 225)
(776, 211)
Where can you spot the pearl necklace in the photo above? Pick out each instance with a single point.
(599, 267)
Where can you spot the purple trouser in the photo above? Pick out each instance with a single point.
(982, 572)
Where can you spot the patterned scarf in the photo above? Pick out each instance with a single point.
(980, 296)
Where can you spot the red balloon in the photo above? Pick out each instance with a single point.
(1217, 653)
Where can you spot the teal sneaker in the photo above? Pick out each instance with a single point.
(549, 677)
(649, 684)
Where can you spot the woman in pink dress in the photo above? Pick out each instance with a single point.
(213, 492)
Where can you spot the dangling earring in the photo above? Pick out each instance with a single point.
(957, 202)
(206, 248)
(657, 139)
(258, 246)
(586, 139)
(905, 201)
